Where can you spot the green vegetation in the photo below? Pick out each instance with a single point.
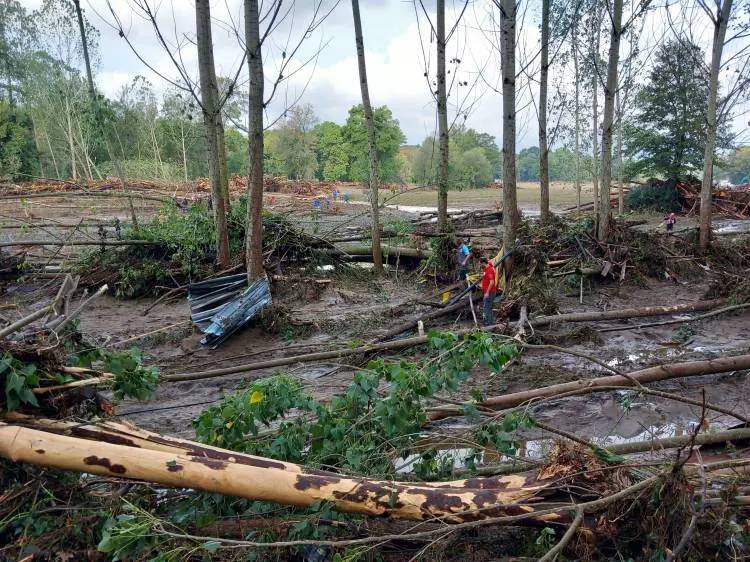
(667, 136)
(654, 196)
(473, 160)
(363, 429)
(17, 151)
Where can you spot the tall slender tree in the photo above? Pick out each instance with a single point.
(254, 240)
(720, 20)
(377, 256)
(214, 129)
(610, 88)
(543, 147)
(508, 63)
(577, 115)
(442, 108)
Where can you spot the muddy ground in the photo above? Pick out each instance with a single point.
(353, 306)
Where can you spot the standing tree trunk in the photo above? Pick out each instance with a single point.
(621, 188)
(720, 31)
(543, 148)
(577, 118)
(71, 144)
(442, 107)
(254, 242)
(84, 43)
(377, 255)
(595, 147)
(508, 62)
(184, 153)
(605, 210)
(210, 107)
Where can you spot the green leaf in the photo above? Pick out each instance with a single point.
(211, 546)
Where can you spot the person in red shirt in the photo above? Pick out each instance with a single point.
(489, 288)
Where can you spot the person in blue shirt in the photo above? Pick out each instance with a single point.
(463, 254)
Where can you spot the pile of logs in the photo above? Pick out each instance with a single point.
(733, 202)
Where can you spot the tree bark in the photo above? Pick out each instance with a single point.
(508, 62)
(254, 242)
(720, 31)
(652, 374)
(377, 253)
(543, 148)
(605, 209)
(210, 109)
(442, 107)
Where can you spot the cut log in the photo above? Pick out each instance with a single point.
(644, 376)
(17, 325)
(81, 243)
(261, 479)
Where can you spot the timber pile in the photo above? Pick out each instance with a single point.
(62, 187)
(733, 202)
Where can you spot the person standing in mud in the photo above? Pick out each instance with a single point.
(489, 289)
(463, 254)
(670, 219)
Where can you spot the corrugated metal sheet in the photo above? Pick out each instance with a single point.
(220, 307)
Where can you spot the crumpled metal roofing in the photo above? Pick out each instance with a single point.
(220, 307)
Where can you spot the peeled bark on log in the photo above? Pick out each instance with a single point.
(643, 376)
(261, 479)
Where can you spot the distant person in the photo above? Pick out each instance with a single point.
(489, 289)
(463, 254)
(670, 219)
(346, 197)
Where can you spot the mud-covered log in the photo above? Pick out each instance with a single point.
(257, 478)
(624, 313)
(644, 376)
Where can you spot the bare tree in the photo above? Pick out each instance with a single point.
(377, 256)
(85, 45)
(720, 20)
(543, 146)
(577, 116)
(211, 110)
(508, 63)
(608, 120)
(442, 109)
(254, 242)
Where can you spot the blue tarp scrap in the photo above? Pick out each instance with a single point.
(220, 307)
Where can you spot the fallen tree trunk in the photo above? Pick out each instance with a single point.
(261, 479)
(366, 250)
(626, 313)
(412, 324)
(644, 376)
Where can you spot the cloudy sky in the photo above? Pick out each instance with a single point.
(323, 71)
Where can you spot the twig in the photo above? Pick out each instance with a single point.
(558, 548)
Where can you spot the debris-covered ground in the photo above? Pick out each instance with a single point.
(314, 381)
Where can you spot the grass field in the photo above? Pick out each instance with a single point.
(562, 194)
